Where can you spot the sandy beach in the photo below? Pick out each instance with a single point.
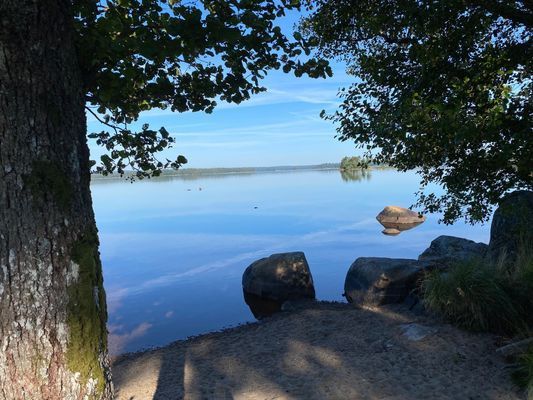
(322, 351)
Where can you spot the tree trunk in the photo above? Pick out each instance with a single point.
(53, 338)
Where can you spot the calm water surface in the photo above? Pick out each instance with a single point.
(174, 249)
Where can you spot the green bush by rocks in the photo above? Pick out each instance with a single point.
(523, 374)
(474, 296)
(492, 296)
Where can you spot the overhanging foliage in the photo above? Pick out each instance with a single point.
(442, 86)
(184, 55)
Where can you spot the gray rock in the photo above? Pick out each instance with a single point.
(512, 225)
(280, 277)
(375, 281)
(447, 250)
(394, 215)
(415, 332)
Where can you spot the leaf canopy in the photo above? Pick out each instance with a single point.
(441, 86)
(136, 55)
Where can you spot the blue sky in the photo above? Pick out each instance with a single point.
(279, 127)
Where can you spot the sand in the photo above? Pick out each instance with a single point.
(321, 351)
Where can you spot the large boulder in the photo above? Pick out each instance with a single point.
(448, 250)
(512, 225)
(280, 277)
(373, 281)
(261, 307)
(397, 219)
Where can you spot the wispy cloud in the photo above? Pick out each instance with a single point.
(262, 131)
(271, 129)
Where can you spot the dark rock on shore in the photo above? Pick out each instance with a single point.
(447, 250)
(280, 277)
(374, 281)
(512, 225)
(260, 306)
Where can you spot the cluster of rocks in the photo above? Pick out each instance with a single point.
(374, 281)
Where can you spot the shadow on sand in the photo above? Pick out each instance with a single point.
(323, 351)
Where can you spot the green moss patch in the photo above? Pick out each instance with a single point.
(87, 315)
(49, 178)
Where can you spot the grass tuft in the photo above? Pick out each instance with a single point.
(474, 296)
(489, 296)
(523, 374)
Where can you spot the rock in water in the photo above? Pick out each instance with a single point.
(280, 277)
(512, 226)
(374, 281)
(399, 218)
(444, 251)
(391, 231)
(399, 215)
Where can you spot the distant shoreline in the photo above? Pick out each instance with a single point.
(233, 170)
(191, 173)
(196, 172)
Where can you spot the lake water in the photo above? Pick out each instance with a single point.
(174, 249)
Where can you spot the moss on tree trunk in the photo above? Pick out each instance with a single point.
(87, 315)
(52, 301)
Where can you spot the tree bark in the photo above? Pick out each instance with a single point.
(53, 338)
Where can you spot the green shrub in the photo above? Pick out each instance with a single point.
(483, 296)
(519, 280)
(523, 374)
(496, 297)
(474, 296)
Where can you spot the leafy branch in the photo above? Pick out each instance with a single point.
(133, 150)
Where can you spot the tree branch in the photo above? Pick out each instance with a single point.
(506, 11)
(114, 127)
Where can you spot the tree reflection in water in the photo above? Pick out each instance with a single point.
(355, 175)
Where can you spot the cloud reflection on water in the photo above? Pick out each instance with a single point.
(118, 341)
